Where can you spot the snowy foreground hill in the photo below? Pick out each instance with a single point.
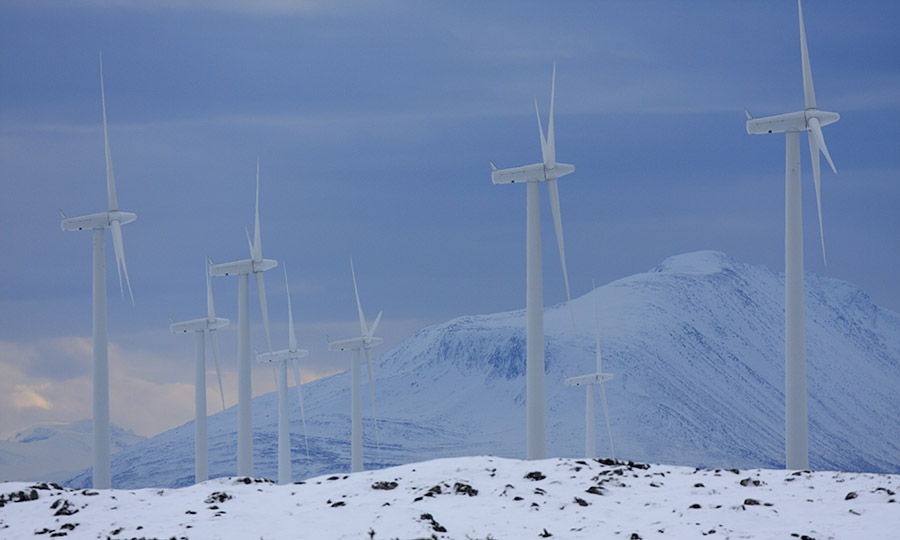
(697, 349)
(476, 498)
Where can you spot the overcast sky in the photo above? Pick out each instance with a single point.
(374, 124)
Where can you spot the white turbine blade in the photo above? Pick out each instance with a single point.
(120, 258)
(816, 129)
(257, 242)
(214, 340)
(809, 94)
(612, 452)
(372, 395)
(597, 324)
(553, 189)
(544, 149)
(261, 290)
(249, 242)
(296, 366)
(110, 180)
(210, 307)
(292, 338)
(551, 139)
(374, 326)
(362, 318)
(817, 178)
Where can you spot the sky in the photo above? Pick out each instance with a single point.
(373, 124)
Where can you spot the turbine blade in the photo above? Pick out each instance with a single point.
(374, 326)
(110, 180)
(816, 129)
(553, 188)
(210, 307)
(817, 178)
(249, 242)
(362, 318)
(261, 289)
(544, 149)
(372, 395)
(214, 340)
(274, 374)
(612, 452)
(120, 258)
(292, 338)
(551, 139)
(809, 94)
(296, 366)
(257, 242)
(597, 326)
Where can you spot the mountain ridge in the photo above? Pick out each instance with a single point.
(696, 347)
(50, 451)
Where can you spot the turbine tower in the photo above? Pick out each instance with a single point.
(810, 120)
(548, 171)
(200, 326)
(255, 265)
(365, 342)
(293, 355)
(113, 219)
(588, 381)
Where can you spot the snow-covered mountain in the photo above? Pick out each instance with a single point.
(477, 497)
(696, 346)
(52, 451)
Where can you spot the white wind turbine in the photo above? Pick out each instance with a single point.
(548, 171)
(200, 326)
(365, 342)
(810, 120)
(114, 219)
(255, 265)
(588, 381)
(291, 354)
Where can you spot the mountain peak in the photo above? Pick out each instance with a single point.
(697, 262)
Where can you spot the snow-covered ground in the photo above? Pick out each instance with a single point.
(477, 497)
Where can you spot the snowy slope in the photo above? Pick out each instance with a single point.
(478, 497)
(51, 451)
(696, 346)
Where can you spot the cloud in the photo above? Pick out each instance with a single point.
(242, 7)
(24, 396)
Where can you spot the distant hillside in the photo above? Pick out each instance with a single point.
(696, 346)
(54, 452)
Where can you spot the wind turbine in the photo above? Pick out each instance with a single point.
(365, 342)
(255, 265)
(810, 120)
(114, 219)
(207, 324)
(548, 171)
(588, 381)
(291, 354)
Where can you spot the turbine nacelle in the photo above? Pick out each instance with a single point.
(281, 356)
(361, 342)
(198, 325)
(103, 220)
(538, 172)
(246, 266)
(795, 121)
(593, 378)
